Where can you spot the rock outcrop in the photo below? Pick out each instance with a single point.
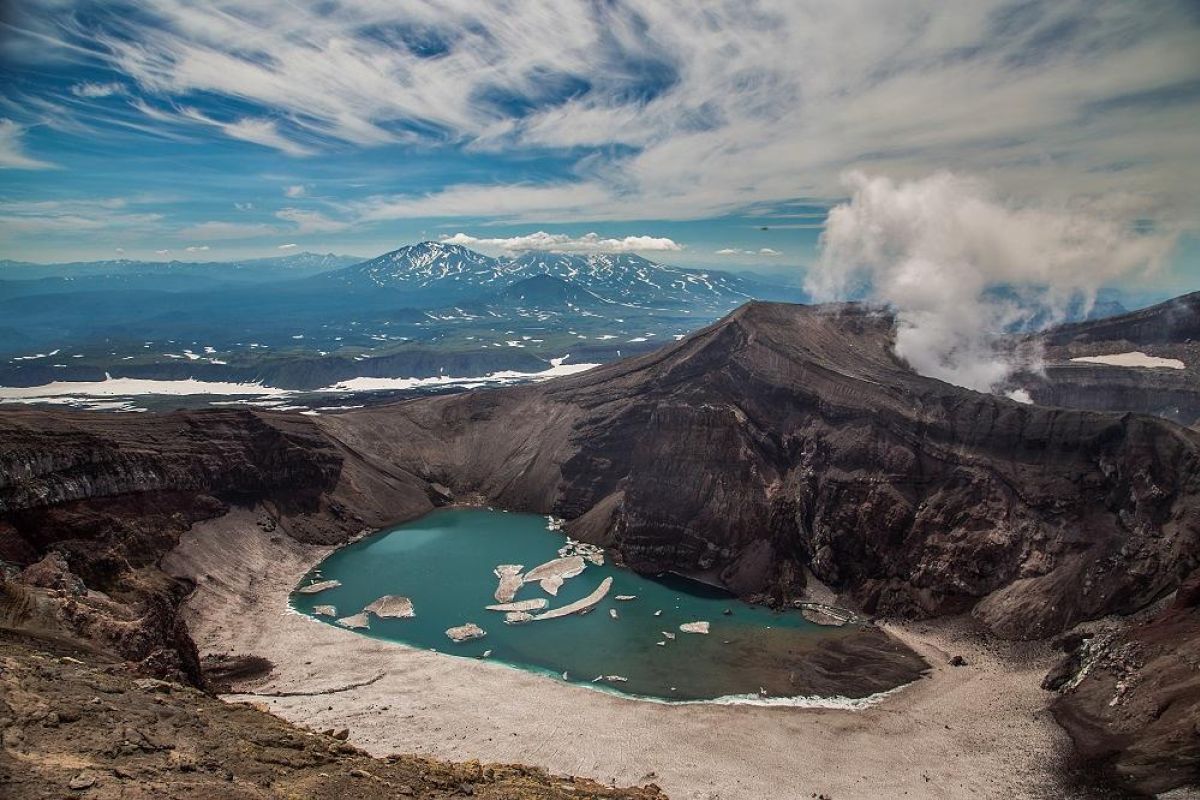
(1131, 696)
(98, 499)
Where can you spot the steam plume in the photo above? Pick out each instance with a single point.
(932, 248)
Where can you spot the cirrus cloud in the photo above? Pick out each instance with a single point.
(12, 149)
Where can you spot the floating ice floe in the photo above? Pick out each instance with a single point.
(551, 585)
(319, 586)
(391, 605)
(325, 611)
(518, 618)
(579, 606)
(510, 581)
(626, 597)
(612, 612)
(694, 627)
(658, 613)
(661, 644)
(536, 604)
(667, 634)
(591, 552)
(359, 620)
(566, 567)
(464, 633)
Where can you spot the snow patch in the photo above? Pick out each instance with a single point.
(1134, 358)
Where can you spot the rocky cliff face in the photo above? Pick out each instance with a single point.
(106, 497)
(786, 437)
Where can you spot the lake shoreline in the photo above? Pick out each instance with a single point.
(754, 654)
(980, 730)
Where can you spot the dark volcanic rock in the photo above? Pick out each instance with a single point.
(110, 496)
(795, 432)
(101, 498)
(1132, 705)
(1167, 330)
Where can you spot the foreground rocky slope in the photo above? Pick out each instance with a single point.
(1131, 694)
(77, 724)
(780, 440)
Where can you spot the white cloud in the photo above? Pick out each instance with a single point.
(12, 150)
(931, 248)
(244, 206)
(258, 131)
(545, 203)
(715, 106)
(162, 252)
(197, 248)
(562, 243)
(297, 190)
(288, 246)
(73, 217)
(311, 221)
(225, 230)
(680, 110)
(762, 251)
(91, 90)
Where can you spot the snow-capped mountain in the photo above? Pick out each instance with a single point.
(446, 271)
(426, 265)
(632, 280)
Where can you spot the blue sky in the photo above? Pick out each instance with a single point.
(222, 130)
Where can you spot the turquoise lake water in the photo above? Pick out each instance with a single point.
(443, 562)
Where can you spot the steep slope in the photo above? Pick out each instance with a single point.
(1131, 698)
(76, 724)
(425, 270)
(786, 437)
(1168, 332)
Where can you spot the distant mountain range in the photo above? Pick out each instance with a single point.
(306, 320)
(255, 269)
(431, 272)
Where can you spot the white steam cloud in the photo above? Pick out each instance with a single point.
(932, 248)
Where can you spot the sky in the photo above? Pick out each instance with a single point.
(707, 134)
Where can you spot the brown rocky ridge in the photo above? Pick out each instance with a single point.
(781, 440)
